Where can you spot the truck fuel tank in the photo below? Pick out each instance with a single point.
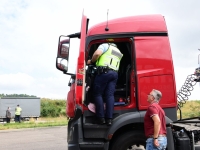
(182, 141)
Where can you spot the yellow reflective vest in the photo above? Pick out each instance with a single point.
(111, 58)
(18, 111)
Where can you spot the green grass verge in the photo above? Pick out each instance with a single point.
(41, 122)
(190, 109)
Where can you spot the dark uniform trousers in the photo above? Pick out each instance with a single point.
(103, 90)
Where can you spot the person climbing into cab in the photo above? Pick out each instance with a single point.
(107, 58)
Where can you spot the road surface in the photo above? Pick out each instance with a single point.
(51, 138)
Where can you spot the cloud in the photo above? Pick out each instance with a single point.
(19, 81)
(29, 32)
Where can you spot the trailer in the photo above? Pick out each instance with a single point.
(30, 107)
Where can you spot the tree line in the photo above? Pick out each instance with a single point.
(16, 95)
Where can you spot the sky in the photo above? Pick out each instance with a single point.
(29, 32)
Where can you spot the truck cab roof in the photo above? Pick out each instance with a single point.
(143, 23)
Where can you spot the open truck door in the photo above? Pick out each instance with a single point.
(80, 71)
(75, 94)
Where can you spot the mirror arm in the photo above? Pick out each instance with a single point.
(75, 35)
(71, 74)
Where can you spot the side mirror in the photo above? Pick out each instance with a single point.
(63, 54)
(62, 64)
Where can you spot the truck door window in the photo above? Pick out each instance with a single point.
(73, 55)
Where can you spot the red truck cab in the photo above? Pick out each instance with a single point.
(146, 64)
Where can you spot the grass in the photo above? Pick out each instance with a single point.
(190, 109)
(32, 123)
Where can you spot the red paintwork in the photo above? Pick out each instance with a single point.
(155, 70)
(153, 58)
(70, 104)
(81, 61)
(78, 90)
(145, 23)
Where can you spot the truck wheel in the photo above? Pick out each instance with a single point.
(129, 140)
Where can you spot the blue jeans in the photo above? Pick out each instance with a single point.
(103, 91)
(162, 144)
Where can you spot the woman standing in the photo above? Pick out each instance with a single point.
(8, 115)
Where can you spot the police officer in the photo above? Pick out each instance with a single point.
(18, 111)
(107, 59)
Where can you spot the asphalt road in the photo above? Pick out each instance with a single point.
(53, 138)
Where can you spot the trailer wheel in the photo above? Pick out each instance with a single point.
(129, 141)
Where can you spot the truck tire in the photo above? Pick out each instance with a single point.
(128, 140)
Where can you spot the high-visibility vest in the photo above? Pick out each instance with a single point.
(111, 58)
(18, 111)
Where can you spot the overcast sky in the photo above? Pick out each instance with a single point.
(29, 31)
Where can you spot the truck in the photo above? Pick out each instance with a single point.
(146, 64)
(30, 107)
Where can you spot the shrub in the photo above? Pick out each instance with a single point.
(53, 108)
